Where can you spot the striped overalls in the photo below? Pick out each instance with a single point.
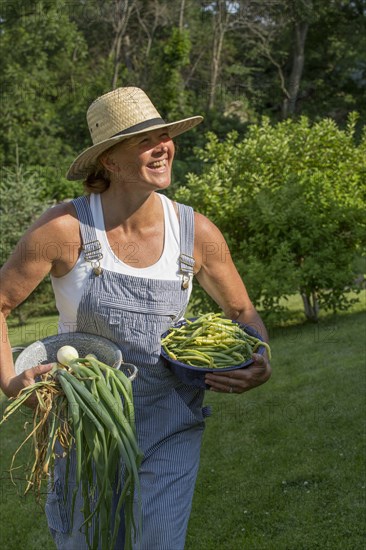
(134, 312)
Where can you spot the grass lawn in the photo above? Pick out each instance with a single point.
(282, 466)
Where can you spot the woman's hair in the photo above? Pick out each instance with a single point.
(98, 180)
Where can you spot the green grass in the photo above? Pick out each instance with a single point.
(38, 328)
(282, 467)
(23, 523)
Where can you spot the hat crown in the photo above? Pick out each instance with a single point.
(118, 115)
(118, 111)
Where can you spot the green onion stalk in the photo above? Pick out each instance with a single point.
(87, 408)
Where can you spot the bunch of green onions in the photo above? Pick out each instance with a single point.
(87, 407)
(211, 341)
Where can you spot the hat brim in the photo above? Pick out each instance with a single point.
(84, 163)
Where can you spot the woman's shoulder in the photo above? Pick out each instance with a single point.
(58, 221)
(204, 227)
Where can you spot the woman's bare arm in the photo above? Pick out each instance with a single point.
(217, 274)
(51, 245)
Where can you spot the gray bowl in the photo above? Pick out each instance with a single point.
(45, 351)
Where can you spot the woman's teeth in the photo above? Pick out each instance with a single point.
(157, 164)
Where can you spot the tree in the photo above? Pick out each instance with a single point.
(22, 201)
(290, 200)
(118, 17)
(302, 14)
(169, 61)
(43, 98)
(231, 61)
(290, 19)
(285, 57)
(220, 26)
(334, 78)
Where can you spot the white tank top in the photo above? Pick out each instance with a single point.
(68, 289)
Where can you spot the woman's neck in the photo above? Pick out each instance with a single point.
(130, 211)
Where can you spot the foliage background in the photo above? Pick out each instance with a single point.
(290, 200)
(230, 61)
(277, 81)
(247, 66)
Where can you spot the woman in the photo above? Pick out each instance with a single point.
(121, 261)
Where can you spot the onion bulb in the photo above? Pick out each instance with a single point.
(66, 354)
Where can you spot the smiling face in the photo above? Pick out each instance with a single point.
(143, 161)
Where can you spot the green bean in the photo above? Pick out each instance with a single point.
(188, 357)
(259, 344)
(211, 341)
(169, 352)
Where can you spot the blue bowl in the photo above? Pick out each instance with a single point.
(195, 376)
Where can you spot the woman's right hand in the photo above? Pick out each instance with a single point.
(24, 379)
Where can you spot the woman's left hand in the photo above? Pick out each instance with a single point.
(241, 380)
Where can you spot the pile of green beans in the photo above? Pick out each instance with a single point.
(90, 412)
(211, 341)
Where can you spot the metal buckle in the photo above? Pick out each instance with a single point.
(186, 278)
(187, 272)
(187, 260)
(92, 251)
(92, 254)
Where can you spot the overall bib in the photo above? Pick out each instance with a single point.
(134, 312)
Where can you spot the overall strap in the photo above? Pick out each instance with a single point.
(186, 260)
(90, 245)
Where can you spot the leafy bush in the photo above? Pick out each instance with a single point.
(290, 200)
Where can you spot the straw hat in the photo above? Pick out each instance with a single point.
(118, 115)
